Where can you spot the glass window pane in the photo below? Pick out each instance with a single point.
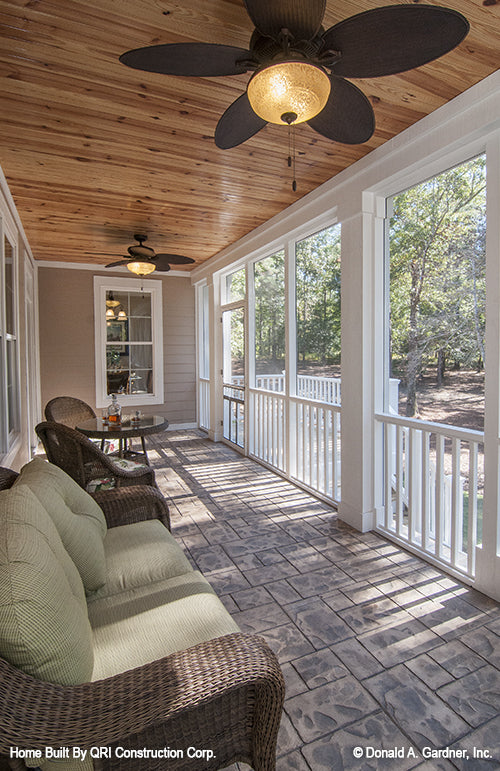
(437, 297)
(141, 381)
(116, 331)
(9, 287)
(12, 387)
(234, 347)
(117, 368)
(141, 356)
(269, 284)
(235, 286)
(139, 329)
(205, 334)
(140, 304)
(318, 315)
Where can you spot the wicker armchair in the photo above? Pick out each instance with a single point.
(68, 410)
(85, 462)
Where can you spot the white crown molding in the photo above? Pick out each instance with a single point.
(109, 271)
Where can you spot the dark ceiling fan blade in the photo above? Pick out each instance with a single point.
(119, 262)
(301, 17)
(174, 259)
(161, 265)
(237, 124)
(348, 115)
(189, 59)
(392, 39)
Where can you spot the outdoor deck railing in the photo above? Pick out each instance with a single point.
(431, 472)
(432, 493)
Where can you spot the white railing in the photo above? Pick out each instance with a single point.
(267, 431)
(432, 489)
(317, 443)
(234, 414)
(318, 389)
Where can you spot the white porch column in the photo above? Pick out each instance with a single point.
(360, 284)
(488, 555)
(215, 433)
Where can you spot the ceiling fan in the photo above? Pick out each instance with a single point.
(300, 69)
(144, 260)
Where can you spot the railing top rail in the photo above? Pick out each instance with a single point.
(315, 403)
(466, 434)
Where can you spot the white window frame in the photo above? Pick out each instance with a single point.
(9, 440)
(103, 284)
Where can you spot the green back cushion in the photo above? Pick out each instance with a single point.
(77, 517)
(44, 626)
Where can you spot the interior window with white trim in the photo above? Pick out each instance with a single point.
(129, 358)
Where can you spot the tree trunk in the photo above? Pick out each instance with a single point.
(441, 366)
(413, 359)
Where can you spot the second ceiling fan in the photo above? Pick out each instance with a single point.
(300, 69)
(143, 260)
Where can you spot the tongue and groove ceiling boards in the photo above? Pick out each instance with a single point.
(95, 151)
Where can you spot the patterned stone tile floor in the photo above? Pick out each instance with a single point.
(381, 652)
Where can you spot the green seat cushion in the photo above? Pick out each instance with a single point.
(79, 520)
(141, 625)
(109, 482)
(44, 626)
(139, 553)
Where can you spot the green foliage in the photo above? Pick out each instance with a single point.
(437, 248)
(269, 282)
(318, 297)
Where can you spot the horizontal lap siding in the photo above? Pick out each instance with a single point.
(67, 341)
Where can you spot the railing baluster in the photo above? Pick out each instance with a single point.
(439, 495)
(456, 504)
(426, 509)
(472, 510)
(399, 480)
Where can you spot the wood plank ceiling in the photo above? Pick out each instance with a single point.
(94, 152)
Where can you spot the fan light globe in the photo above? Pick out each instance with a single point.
(141, 268)
(280, 91)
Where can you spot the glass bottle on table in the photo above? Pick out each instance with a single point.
(114, 411)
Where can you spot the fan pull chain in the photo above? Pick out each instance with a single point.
(291, 154)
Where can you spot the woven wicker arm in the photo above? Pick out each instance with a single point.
(83, 460)
(225, 695)
(125, 505)
(7, 477)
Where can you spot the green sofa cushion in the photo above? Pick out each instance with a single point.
(44, 626)
(77, 517)
(141, 625)
(138, 554)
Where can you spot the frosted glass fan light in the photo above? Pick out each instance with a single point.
(289, 92)
(140, 268)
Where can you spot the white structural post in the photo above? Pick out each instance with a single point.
(487, 554)
(358, 287)
(215, 316)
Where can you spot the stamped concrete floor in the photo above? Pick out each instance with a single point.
(381, 652)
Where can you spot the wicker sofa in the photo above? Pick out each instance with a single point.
(113, 646)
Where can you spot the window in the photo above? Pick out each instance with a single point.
(269, 290)
(317, 260)
(234, 286)
(437, 241)
(129, 361)
(9, 346)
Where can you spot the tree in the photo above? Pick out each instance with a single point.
(437, 247)
(318, 297)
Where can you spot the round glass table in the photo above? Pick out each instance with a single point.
(97, 428)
